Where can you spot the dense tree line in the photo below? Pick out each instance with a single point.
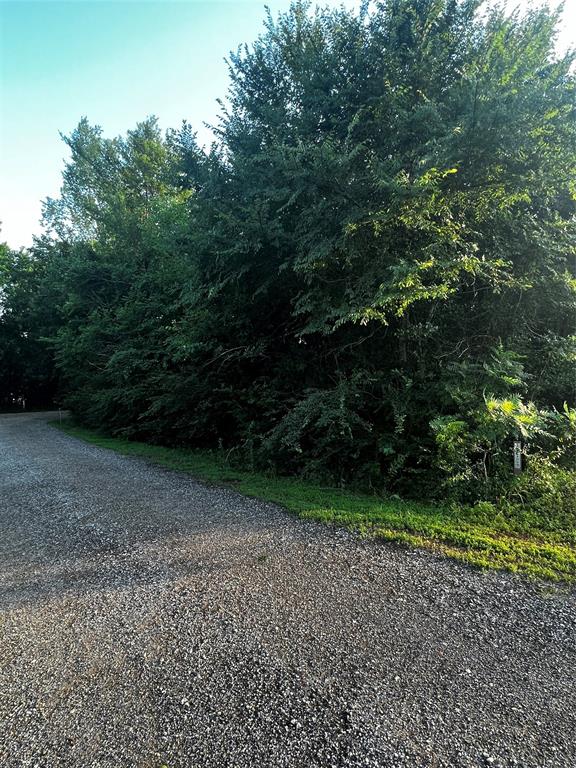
(369, 277)
(27, 375)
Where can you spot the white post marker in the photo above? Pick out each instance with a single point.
(517, 457)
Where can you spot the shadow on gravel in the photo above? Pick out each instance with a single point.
(76, 518)
(40, 579)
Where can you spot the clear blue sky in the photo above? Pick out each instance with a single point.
(115, 61)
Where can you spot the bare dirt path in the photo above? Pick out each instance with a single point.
(149, 620)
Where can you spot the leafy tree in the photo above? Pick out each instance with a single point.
(369, 276)
(27, 377)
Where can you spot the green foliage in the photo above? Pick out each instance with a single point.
(369, 278)
(475, 454)
(27, 373)
(326, 429)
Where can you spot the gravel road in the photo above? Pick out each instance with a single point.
(149, 620)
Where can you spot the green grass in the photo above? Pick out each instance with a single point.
(481, 536)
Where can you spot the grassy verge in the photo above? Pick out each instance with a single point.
(478, 536)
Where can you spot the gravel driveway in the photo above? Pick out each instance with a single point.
(149, 620)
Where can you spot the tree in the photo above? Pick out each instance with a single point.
(27, 376)
(379, 244)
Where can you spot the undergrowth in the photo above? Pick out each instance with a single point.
(517, 540)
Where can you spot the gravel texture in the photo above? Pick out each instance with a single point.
(149, 620)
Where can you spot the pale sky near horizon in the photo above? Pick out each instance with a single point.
(116, 62)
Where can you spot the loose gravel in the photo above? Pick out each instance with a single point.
(148, 620)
